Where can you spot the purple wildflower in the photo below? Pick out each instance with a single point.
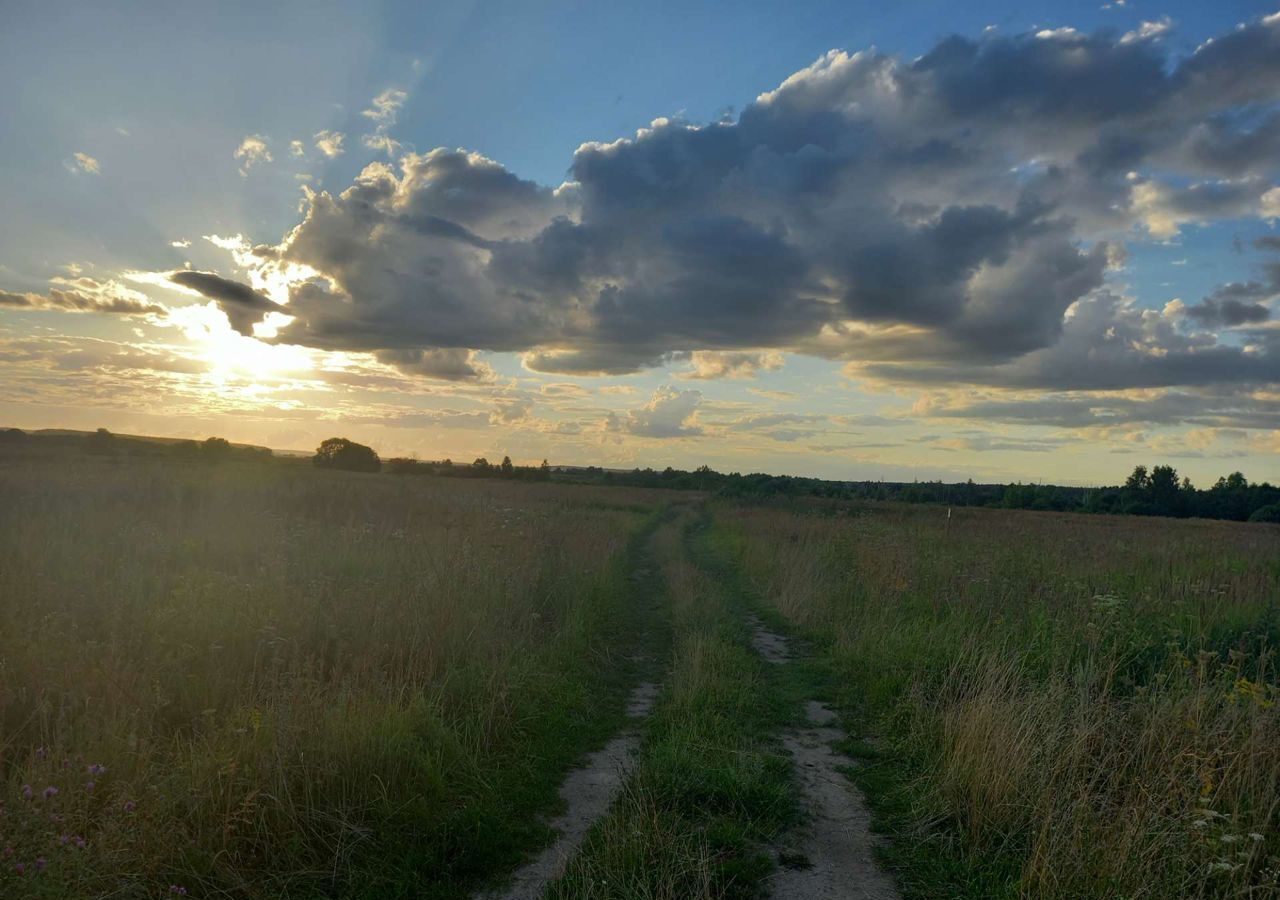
(64, 839)
(50, 792)
(20, 868)
(89, 785)
(42, 753)
(79, 841)
(177, 889)
(130, 806)
(26, 791)
(41, 862)
(97, 769)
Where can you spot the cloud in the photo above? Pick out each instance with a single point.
(84, 295)
(83, 163)
(384, 112)
(243, 306)
(180, 245)
(954, 219)
(1148, 31)
(386, 106)
(297, 149)
(511, 412)
(330, 143)
(447, 364)
(1233, 304)
(741, 364)
(253, 151)
(670, 413)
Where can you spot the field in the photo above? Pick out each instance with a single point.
(256, 679)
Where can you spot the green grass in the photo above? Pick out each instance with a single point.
(300, 683)
(1052, 705)
(712, 788)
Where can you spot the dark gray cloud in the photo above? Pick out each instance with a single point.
(244, 307)
(1233, 304)
(949, 220)
(449, 364)
(84, 295)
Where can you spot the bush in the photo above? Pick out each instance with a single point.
(340, 453)
(1267, 514)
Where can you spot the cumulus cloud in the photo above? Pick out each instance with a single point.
(253, 151)
(1148, 31)
(83, 163)
(243, 306)
(384, 112)
(84, 295)
(948, 219)
(386, 106)
(330, 143)
(1233, 304)
(670, 413)
(446, 364)
(724, 364)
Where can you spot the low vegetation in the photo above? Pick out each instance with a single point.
(267, 681)
(1063, 706)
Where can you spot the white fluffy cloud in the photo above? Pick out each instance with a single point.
(253, 151)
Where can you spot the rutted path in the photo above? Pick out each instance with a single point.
(833, 851)
(587, 792)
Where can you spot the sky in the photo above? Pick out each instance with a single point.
(1002, 241)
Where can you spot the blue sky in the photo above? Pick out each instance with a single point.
(174, 109)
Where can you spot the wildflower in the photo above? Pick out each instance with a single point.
(129, 806)
(97, 769)
(1229, 838)
(79, 842)
(1255, 837)
(42, 753)
(64, 839)
(177, 889)
(20, 868)
(41, 862)
(7, 852)
(89, 786)
(50, 792)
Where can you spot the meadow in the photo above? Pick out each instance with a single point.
(254, 678)
(1052, 705)
(268, 681)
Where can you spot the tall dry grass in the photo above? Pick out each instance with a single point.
(289, 682)
(1088, 703)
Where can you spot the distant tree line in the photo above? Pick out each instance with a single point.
(1154, 492)
(105, 443)
(1157, 491)
(480, 468)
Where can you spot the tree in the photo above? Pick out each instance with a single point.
(1138, 481)
(216, 448)
(1163, 490)
(1269, 514)
(507, 469)
(340, 453)
(544, 471)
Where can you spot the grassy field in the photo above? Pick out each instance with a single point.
(259, 679)
(268, 681)
(1057, 705)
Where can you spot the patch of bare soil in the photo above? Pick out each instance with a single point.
(587, 792)
(771, 647)
(831, 856)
